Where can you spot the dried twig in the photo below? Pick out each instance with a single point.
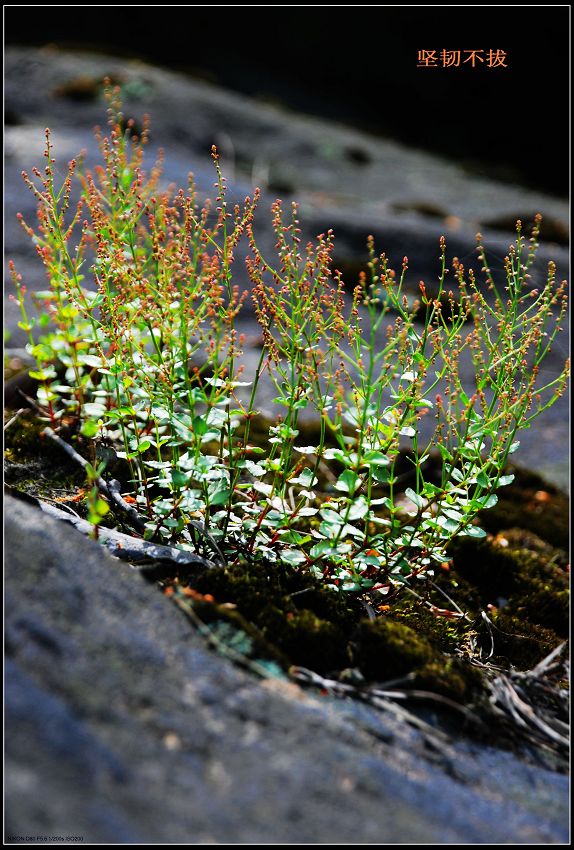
(535, 706)
(200, 528)
(110, 490)
(125, 546)
(374, 694)
(14, 418)
(114, 490)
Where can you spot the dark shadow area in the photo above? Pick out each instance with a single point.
(360, 66)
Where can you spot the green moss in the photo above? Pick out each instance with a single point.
(228, 627)
(254, 584)
(307, 639)
(520, 642)
(35, 465)
(451, 677)
(23, 439)
(306, 621)
(442, 633)
(385, 649)
(526, 581)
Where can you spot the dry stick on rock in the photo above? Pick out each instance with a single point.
(385, 698)
(14, 418)
(112, 489)
(132, 549)
(112, 492)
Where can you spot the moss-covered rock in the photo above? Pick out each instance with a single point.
(516, 640)
(520, 573)
(308, 622)
(517, 577)
(307, 639)
(385, 649)
(36, 465)
(452, 678)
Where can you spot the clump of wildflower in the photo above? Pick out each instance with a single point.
(149, 358)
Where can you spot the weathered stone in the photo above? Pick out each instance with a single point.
(122, 727)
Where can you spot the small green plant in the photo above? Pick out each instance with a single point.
(138, 345)
(97, 507)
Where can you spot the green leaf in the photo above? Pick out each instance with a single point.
(414, 498)
(352, 586)
(407, 431)
(513, 447)
(430, 490)
(90, 360)
(295, 537)
(292, 557)
(170, 522)
(69, 312)
(120, 412)
(159, 413)
(179, 479)
(447, 523)
(94, 409)
(323, 549)
(336, 454)
(330, 516)
(221, 497)
(470, 450)
(358, 509)
(483, 479)
(380, 474)
(254, 468)
(489, 502)
(199, 426)
(261, 487)
(101, 507)
(307, 511)
(473, 531)
(348, 481)
(181, 429)
(446, 455)
(374, 458)
(90, 428)
(306, 478)
(352, 531)
(42, 374)
(452, 514)
(328, 529)
(504, 480)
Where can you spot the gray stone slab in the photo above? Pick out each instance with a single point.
(122, 727)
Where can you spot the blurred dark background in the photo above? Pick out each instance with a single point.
(358, 65)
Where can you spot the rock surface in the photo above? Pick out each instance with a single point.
(123, 728)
